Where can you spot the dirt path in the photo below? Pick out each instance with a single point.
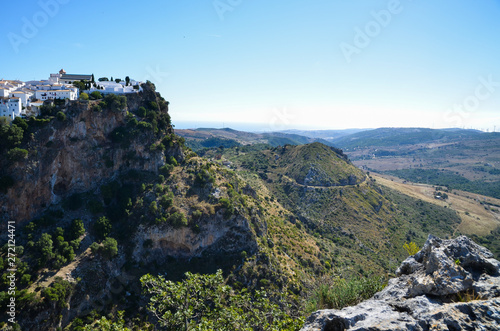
(64, 272)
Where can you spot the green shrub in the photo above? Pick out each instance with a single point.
(61, 116)
(196, 214)
(75, 244)
(76, 229)
(153, 106)
(59, 261)
(20, 122)
(144, 126)
(97, 108)
(109, 248)
(11, 135)
(58, 292)
(84, 96)
(115, 103)
(171, 160)
(166, 169)
(131, 123)
(411, 248)
(17, 154)
(96, 95)
(203, 294)
(142, 112)
(94, 248)
(167, 200)
(228, 206)
(26, 279)
(342, 293)
(203, 178)
(178, 220)
(102, 227)
(44, 247)
(153, 208)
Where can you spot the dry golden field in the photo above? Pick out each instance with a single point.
(476, 219)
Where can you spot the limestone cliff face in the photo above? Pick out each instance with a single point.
(448, 285)
(216, 234)
(74, 156)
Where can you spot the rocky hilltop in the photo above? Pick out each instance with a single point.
(447, 285)
(83, 151)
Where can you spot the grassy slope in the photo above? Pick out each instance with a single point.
(359, 228)
(302, 233)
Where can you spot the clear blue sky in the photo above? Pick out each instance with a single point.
(282, 64)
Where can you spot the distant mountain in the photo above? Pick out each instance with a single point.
(324, 134)
(402, 136)
(197, 139)
(456, 158)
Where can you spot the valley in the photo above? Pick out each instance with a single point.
(276, 212)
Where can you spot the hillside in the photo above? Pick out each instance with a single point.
(358, 223)
(402, 136)
(112, 194)
(464, 160)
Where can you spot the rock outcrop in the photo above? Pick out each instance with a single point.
(77, 155)
(447, 285)
(216, 234)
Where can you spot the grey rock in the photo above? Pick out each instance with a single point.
(447, 285)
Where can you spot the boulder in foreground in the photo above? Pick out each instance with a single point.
(447, 285)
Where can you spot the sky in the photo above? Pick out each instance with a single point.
(275, 65)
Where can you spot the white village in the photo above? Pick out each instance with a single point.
(24, 99)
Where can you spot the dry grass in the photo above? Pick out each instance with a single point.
(475, 218)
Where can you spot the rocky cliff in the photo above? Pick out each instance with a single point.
(80, 153)
(448, 285)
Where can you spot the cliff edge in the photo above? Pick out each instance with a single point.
(447, 285)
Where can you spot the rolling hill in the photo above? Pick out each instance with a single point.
(467, 160)
(384, 137)
(111, 203)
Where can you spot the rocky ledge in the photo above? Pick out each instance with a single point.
(447, 285)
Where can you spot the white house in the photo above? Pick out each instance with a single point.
(4, 92)
(24, 96)
(10, 108)
(115, 88)
(71, 94)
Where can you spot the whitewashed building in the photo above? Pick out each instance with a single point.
(10, 107)
(71, 94)
(19, 98)
(116, 88)
(24, 96)
(4, 92)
